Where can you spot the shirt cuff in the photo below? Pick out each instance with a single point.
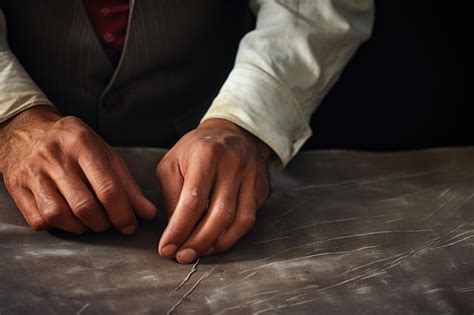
(18, 105)
(17, 91)
(258, 103)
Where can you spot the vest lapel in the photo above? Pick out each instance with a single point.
(119, 69)
(95, 42)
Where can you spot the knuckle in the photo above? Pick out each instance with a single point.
(74, 125)
(247, 220)
(107, 192)
(224, 213)
(49, 150)
(37, 224)
(82, 134)
(51, 213)
(83, 209)
(209, 148)
(79, 136)
(194, 202)
(72, 120)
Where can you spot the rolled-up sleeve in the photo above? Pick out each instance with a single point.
(17, 90)
(287, 64)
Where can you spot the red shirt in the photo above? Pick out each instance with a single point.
(109, 19)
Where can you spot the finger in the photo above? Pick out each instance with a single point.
(109, 190)
(81, 201)
(191, 204)
(143, 207)
(244, 219)
(26, 203)
(54, 209)
(218, 218)
(171, 183)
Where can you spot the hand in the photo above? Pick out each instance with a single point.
(62, 175)
(213, 181)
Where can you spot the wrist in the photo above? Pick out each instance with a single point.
(29, 119)
(263, 149)
(37, 115)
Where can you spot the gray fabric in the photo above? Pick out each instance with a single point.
(343, 232)
(177, 55)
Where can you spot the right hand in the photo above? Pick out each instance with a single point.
(61, 174)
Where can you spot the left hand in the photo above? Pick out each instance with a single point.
(213, 181)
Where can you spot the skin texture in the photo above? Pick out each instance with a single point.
(213, 180)
(61, 174)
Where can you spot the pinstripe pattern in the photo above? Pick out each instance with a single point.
(177, 55)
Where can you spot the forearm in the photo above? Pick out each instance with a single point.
(18, 93)
(287, 65)
(17, 90)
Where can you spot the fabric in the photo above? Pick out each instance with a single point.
(287, 65)
(109, 19)
(17, 91)
(342, 233)
(283, 69)
(141, 100)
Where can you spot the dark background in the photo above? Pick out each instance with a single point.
(409, 86)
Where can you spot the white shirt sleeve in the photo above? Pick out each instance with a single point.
(17, 91)
(286, 66)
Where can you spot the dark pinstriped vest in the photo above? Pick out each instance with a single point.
(177, 55)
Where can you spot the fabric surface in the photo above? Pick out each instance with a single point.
(177, 57)
(343, 232)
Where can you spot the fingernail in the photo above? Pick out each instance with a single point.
(169, 250)
(129, 229)
(210, 251)
(187, 255)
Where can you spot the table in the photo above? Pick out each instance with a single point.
(343, 232)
